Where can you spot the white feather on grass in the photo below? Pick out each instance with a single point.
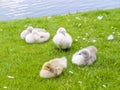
(110, 37)
(100, 17)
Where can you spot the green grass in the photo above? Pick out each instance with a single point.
(24, 61)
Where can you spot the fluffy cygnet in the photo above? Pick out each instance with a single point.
(53, 68)
(26, 32)
(85, 56)
(62, 39)
(37, 36)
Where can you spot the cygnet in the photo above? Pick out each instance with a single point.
(37, 36)
(62, 39)
(85, 56)
(53, 68)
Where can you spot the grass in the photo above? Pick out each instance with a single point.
(24, 61)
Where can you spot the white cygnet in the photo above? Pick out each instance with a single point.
(62, 39)
(53, 68)
(85, 56)
(37, 36)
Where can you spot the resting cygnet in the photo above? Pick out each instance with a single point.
(37, 36)
(26, 32)
(62, 39)
(53, 68)
(85, 56)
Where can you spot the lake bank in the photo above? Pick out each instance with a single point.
(19, 9)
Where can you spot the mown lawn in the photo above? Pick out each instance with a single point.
(23, 61)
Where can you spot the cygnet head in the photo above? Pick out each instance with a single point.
(48, 67)
(61, 30)
(52, 69)
(85, 53)
(30, 28)
(34, 32)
